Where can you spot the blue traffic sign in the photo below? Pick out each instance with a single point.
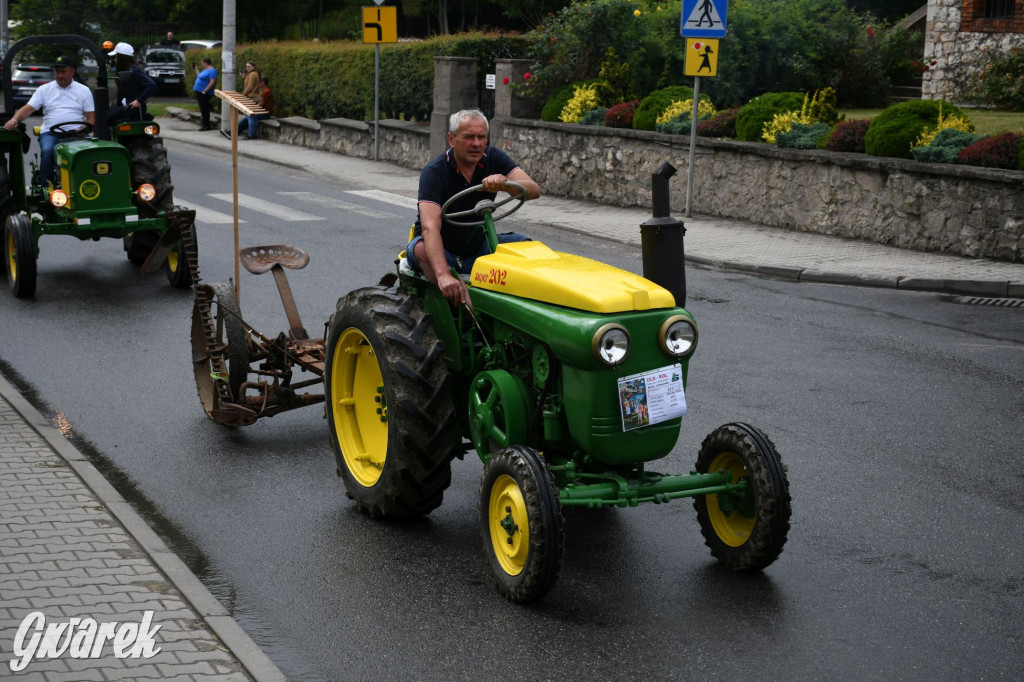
(703, 18)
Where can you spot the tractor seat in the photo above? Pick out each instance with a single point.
(260, 259)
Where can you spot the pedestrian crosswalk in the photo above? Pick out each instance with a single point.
(281, 206)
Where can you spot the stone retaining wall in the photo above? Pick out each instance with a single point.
(962, 210)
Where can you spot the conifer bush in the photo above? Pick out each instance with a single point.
(752, 117)
(646, 115)
(848, 135)
(894, 131)
(996, 151)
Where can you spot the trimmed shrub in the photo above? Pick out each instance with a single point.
(945, 146)
(950, 122)
(997, 151)
(650, 108)
(804, 136)
(594, 117)
(848, 135)
(757, 112)
(722, 124)
(621, 115)
(559, 98)
(892, 132)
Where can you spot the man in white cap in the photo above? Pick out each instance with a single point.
(134, 87)
(63, 100)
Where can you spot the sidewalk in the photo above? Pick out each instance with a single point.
(72, 548)
(716, 242)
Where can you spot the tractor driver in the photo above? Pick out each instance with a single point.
(434, 249)
(63, 100)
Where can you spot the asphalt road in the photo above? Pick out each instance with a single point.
(899, 416)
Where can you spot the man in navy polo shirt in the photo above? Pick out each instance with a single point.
(468, 162)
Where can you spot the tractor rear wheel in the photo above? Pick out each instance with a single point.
(20, 255)
(6, 195)
(149, 164)
(521, 523)
(389, 408)
(745, 532)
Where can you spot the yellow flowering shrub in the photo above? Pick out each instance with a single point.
(678, 107)
(782, 123)
(961, 123)
(584, 98)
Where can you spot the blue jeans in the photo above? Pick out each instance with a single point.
(462, 264)
(253, 124)
(47, 142)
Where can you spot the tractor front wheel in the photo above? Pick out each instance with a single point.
(389, 408)
(745, 530)
(20, 255)
(521, 523)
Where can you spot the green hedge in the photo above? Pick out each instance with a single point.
(646, 116)
(335, 80)
(758, 111)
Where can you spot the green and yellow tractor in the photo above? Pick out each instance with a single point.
(568, 379)
(114, 181)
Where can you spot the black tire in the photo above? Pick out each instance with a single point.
(20, 255)
(517, 490)
(751, 536)
(149, 164)
(231, 335)
(6, 195)
(388, 403)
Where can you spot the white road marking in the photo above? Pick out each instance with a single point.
(340, 205)
(386, 197)
(207, 215)
(251, 203)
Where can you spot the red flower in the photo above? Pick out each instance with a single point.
(527, 76)
(504, 80)
(871, 32)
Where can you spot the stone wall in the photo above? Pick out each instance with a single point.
(956, 37)
(963, 210)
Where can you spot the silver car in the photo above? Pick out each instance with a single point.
(26, 79)
(166, 66)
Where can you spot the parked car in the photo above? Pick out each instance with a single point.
(200, 44)
(166, 66)
(26, 79)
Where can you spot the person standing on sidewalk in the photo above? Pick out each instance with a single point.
(206, 80)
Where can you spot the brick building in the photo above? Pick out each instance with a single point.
(958, 33)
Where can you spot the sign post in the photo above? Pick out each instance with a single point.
(700, 19)
(380, 25)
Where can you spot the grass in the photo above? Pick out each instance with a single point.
(986, 121)
(160, 108)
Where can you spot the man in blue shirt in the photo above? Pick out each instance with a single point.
(469, 161)
(206, 80)
(63, 100)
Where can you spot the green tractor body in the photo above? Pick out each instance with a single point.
(567, 377)
(115, 184)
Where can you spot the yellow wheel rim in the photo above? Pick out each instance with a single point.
(359, 407)
(172, 260)
(12, 263)
(510, 529)
(734, 528)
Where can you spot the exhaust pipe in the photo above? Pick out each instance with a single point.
(661, 239)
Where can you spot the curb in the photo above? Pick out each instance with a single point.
(206, 606)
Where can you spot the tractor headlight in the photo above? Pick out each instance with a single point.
(59, 198)
(146, 192)
(152, 129)
(611, 344)
(678, 336)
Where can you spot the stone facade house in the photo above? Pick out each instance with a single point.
(957, 34)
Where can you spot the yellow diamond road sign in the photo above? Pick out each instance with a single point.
(701, 57)
(380, 24)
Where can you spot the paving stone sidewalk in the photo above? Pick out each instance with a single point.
(72, 547)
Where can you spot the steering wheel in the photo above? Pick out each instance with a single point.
(482, 207)
(64, 130)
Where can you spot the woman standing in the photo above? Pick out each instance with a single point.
(133, 86)
(205, 82)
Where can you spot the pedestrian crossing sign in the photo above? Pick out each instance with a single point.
(701, 57)
(703, 18)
